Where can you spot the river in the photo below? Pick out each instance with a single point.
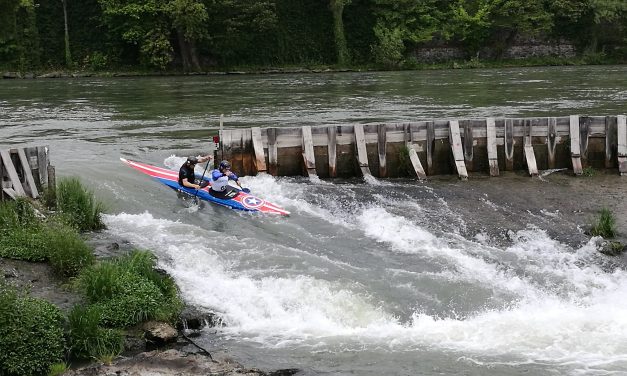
(493, 276)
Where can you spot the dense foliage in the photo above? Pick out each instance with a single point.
(199, 34)
(128, 290)
(31, 333)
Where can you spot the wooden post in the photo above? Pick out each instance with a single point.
(52, 180)
(551, 141)
(456, 147)
(621, 126)
(381, 148)
(13, 177)
(468, 145)
(530, 157)
(272, 152)
(308, 152)
(584, 135)
(332, 150)
(260, 158)
(575, 145)
(430, 146)
(491, 141)
(28, 173)
(362, 154)
(509, 144)
(610, 140)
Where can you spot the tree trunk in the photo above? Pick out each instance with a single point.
(184, 50)
(68, 55)
(337, 8)
(194, 56)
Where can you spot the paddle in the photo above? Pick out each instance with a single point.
(202, 178)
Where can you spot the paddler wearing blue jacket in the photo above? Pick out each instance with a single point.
(220, 180)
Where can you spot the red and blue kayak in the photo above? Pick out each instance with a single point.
(242, 201)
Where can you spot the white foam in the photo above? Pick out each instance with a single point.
(566, 310)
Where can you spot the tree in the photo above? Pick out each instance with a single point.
(18, 34)
(403, 23)
(188, 18)
(470, 23)
(144, 24)
(337, 9)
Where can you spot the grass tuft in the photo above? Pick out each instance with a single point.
(605, 225)
(78, 204)
(88, 340)
(57, 369)
(128, 290)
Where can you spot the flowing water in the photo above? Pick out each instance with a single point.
(387, 277)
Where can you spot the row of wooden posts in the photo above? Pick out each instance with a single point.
(442, 146)
(25, 172)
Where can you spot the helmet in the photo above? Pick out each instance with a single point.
(192, 160)
(225, 165)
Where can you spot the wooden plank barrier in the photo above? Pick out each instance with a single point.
(382, 149)
(575, 145)
(456, 147)
(309, 159)
(509, 144)
(260, 158)
(413, 156)
(491, 142)
(362, 154)
(551, 141)
(24, 172)
(332, 150)
(571, 142)
(530, 157)
(621, 126)
(273, 152)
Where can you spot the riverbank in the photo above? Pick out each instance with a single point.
(180, 356)
(60, 72)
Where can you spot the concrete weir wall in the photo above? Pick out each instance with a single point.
(430, 147)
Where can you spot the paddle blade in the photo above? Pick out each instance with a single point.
(245, 190)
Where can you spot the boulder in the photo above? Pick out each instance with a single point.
(159, 333)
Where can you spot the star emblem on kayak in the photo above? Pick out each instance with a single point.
(252, 202)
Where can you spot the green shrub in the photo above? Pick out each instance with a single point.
(68, 252)
(89, 340)
(605, 225)
(31, 334)
(128, 290)
(83, 211)
(22, 234)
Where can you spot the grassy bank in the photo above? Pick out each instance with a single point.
(38, 338)
(409, 64)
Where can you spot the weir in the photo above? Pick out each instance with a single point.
(25, 172)
(430, 147)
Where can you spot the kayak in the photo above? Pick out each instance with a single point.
(241, 200)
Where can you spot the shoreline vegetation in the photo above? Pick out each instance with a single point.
(61, 72)
(117, 314)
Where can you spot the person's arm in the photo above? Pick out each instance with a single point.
(187, 184)
(204, 158)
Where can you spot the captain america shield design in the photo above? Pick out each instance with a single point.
(252, 202)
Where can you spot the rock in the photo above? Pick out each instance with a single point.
(134, 344)
(11, 273)
(159, 333)
(11, 75)
(194, 319)
(612, 248)
(29, 75)
(51, 75)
